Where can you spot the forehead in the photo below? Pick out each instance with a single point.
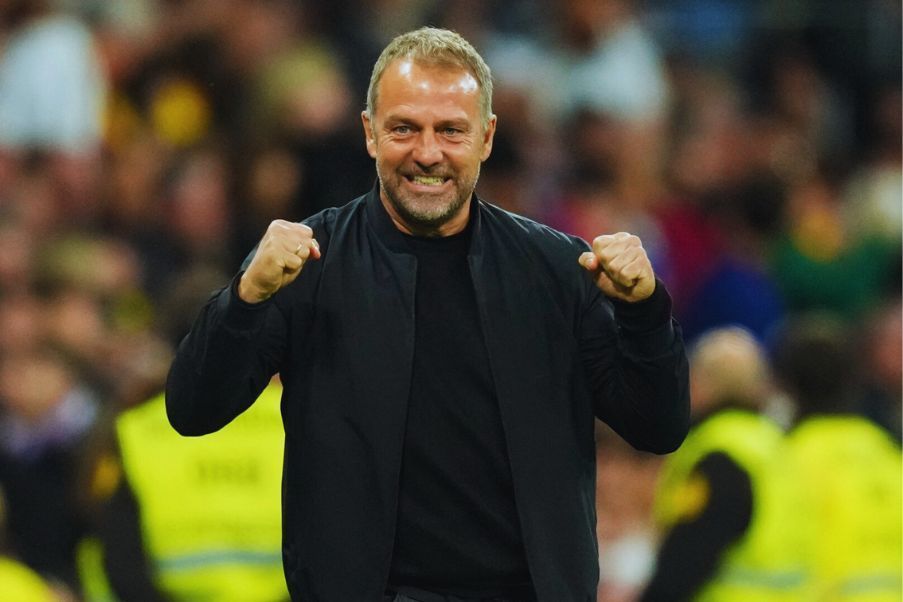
(414, 84)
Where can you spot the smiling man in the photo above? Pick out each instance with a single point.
(443, 361)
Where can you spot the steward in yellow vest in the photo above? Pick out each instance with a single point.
(851, 471)
(191, 519)
(722, 501)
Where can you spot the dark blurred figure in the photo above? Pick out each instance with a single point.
(610, 67)
(736, 287)
(722, 500)
(19, 583)
(881, 366)
(47, 414)
(849, 468)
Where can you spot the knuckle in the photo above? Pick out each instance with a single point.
(602, 242)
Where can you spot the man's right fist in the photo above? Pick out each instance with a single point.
(280, 257)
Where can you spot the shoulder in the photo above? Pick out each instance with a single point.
(529, 232)
(545, 256)
(327, 219)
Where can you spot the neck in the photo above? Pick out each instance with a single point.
(452, 225)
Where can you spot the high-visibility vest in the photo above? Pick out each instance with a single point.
(210, 506)
(18, 583)
(765, 563)
(851, 471)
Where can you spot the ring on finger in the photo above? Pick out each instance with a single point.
(300, 246)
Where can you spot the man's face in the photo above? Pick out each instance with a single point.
(428, 141)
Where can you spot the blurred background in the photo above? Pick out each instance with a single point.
(753, 145)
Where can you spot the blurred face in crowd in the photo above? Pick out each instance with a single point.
(428, 140)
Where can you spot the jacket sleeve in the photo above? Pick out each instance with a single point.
(224, 362)
(634, 356)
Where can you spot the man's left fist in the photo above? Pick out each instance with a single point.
(620, 267)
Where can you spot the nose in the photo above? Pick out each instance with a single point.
(427, 151)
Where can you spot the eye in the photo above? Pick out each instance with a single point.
(450, 131)
(402, 130)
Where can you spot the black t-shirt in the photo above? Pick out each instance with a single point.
(457, 530)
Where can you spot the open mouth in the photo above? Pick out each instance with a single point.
(427, 180)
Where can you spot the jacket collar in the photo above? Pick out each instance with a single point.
(393, 238)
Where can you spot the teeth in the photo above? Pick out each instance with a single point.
(429, 180)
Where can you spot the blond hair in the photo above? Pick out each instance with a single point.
(433, 46)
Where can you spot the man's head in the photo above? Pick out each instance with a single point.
(429, 125)
(816, 363)
(728, 367)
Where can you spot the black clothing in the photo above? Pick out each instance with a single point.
(457, 528)
(125, 559)
(42, 514)
(342, 337)
(690, 554)
(410, 594)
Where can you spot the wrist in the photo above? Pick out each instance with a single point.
(249, 293)
(647, 314)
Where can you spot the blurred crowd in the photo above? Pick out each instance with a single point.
(754, 146)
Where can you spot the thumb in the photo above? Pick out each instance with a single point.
(589, 261)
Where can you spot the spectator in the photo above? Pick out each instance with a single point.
(724, 502)
(200, 522)
(47, 414)
(849, 468)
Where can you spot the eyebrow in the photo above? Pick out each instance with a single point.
(459, 123)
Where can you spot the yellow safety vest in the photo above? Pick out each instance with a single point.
(210, 506)
(18, 583)
(853, 513)
(765, 564)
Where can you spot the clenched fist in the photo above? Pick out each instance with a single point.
(620, 267)
(280, 257)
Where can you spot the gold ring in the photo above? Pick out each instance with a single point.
(300, 246)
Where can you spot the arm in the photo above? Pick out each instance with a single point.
(125, 560)
(692, 550)
(638, 374)
(237, 342)
(115, 518)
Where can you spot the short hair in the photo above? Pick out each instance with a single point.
(434, 46)
(731, 367)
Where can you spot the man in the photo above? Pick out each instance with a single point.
(442, 361)
(724, 501)
(199, 522)
(849, 468)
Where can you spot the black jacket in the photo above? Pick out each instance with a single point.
(341, 336)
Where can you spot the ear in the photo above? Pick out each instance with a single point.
(368, 134)
(488, 136)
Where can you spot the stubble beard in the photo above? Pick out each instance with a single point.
(425, 212)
